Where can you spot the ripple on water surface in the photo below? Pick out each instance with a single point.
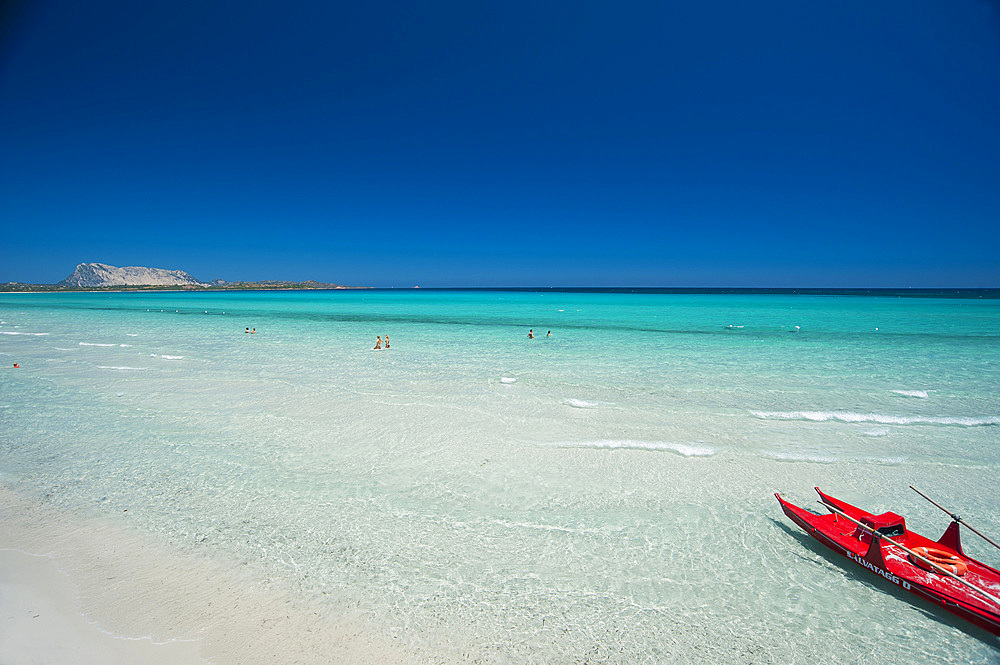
(613, 506)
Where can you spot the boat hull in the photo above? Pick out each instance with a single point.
(890, 563)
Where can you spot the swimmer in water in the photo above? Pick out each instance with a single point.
(378, 343)
(531, 334)
(548, 334)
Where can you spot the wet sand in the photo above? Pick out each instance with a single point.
(40, 622)
(76, 590)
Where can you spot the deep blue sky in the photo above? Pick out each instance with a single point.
(688, 143)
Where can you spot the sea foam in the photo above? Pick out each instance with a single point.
(685, 449)
(832, 459)
(922, 394)
(852, 417)
(580, 404)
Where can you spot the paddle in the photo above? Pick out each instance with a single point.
(943, 571)
(955, 517)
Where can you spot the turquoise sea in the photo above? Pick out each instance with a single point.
(603, 495)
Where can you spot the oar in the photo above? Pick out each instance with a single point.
(876, 534)
(955, 517)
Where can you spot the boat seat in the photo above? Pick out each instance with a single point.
(887, 524)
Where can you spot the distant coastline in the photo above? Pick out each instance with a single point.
(105, 278)
(883, 292)
(21, 287)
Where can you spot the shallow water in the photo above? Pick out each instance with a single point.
(601, 495)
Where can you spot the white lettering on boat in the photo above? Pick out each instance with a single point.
(878, 571)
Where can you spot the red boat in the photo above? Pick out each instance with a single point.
(936, 570)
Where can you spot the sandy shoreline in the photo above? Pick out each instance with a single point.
(78, 591)
(40, 622)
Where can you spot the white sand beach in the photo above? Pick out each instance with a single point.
(78, 591)
(40, 622)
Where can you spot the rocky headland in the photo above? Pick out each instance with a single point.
(90, 275)
(104, 277)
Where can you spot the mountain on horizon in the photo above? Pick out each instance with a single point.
(102, 275)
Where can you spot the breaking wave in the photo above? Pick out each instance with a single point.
(922, 394)
(832, 459)
(121, 368)
(11, 332)
(685, 449)
(881, 419)
(507, 379)
(95, 344)
(580, 404)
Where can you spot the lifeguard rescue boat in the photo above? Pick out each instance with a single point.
(936, 570)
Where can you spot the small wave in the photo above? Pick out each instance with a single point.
(803, 457)
(734, 327)
(831, 459)
(165, 357)
(93, 344)
(541, 527)
(131, 334)
(851, 417)
(685, 449)
(124, 346)
(877, 431)
(580, 404)
(922, 394)
(10, 332)
(507, 379)
(121, 368)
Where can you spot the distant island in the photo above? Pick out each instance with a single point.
(104, 277)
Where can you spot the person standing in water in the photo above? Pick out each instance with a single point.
(548, 334)
(378, 343)
(531, 334)
(387, 341)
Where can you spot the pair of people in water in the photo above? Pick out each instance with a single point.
(247, 330)
(531, 334)
(378, 342)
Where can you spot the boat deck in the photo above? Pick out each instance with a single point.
(840, 533)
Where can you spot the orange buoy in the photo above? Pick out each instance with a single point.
(16, 365)
(950, 562)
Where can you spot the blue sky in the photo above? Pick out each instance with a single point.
(692, 143)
